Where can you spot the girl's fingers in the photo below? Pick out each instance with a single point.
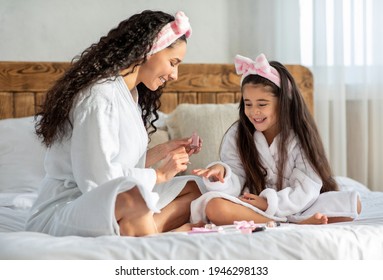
(200, 172)
(248, 196)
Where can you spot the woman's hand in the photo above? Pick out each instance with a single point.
(214, 173)
(159, 152)
(255, 200)
(176, 161)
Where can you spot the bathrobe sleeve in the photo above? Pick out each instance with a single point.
(234, 177)
(302, 186)
(95, 146)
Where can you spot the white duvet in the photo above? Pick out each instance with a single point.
(361, 239)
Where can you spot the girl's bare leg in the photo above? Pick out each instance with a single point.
(224, 212)
(176, 215)
(316, 219)
(132, 214)
(319, 219)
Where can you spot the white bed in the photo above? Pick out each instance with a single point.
(22, 89)
(21, 158)
(361, 239)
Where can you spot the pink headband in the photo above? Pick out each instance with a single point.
(245, 67)
(171, 32)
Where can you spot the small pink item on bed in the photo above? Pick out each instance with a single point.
(244, 224)
(206, 229)
(245, 227)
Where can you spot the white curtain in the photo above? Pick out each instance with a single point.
(341, 41)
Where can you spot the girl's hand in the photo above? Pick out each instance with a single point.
(255, 200)
(214, 173)
(176, 161)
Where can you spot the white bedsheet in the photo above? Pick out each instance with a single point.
(361, 239)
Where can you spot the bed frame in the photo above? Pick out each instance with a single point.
(23, 85)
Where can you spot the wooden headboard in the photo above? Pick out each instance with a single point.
(23, 85)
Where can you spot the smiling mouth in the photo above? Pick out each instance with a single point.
(259, 120)
(162, 80)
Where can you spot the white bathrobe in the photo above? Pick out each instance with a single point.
(300, 197)
(104, 155)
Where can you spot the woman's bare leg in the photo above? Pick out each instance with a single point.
(132, 214)
(176, 215)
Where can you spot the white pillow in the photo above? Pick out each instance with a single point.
(210, 121)
(21, 156)
(158, 137)
(161, 121)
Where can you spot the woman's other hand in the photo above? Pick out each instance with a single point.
(160, 151)
(176, 161)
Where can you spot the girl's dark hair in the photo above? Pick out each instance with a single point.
(125, 46)
(293, 114)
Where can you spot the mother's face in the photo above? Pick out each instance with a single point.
(162, 66)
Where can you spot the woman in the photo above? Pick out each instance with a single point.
(94, 122)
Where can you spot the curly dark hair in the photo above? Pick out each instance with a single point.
(293, 114)
(125, 46)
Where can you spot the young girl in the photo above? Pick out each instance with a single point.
(99, 179)
(274, 157)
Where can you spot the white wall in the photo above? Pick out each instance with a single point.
(58, 30)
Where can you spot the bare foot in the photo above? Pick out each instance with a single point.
(188, 227)
(133, 215)
(316, 219)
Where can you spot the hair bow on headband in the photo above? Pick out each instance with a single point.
(246, 66)
(171, 32)
(181, 24)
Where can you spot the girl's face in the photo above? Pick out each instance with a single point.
(162, 66)
(261, 108)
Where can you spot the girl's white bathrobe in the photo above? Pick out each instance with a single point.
(300, 197)
(103, 156)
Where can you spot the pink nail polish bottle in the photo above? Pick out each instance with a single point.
(195, 141)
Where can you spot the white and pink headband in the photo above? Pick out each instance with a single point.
(171, 32)
(245, 67)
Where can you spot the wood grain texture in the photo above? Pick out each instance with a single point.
(30, 76)
(23, 85)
